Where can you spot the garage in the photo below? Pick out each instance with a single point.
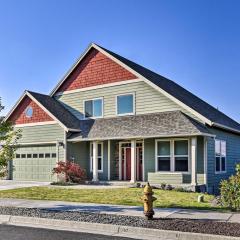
(34, 163)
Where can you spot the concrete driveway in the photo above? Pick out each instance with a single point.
(10, 184)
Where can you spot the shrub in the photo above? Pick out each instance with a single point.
(71, 171)
(163, 186)
(230, 191)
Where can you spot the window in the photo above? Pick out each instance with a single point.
(93, 108)
(29, 155)
(163, 155)
(172, 155)
(41, 155)
(47, 155)
(220, 156)
(54, 155)
(23, 155)
(125, 104)
(29, 112)
(17, 155)
(181, 155)
(35, 155)
(99, 156)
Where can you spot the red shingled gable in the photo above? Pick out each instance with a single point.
(95, 69)
(19, 117)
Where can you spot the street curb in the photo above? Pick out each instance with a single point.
(107, 229)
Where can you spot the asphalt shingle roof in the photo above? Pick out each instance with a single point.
(174, 123)
(180, 93)
(58, 110)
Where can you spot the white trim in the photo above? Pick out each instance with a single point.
(143, 161)
(35, 124)
(140, 137)
(93, 99)
(109, 160)
(65, 145)
(105, 85)
(194, 161)
(220, 172)
(119, 161)
(225, 127)
(205, 161)
(172, 155)
(134, 104)
(36, 143)
(95, 161)
(133, 161)
(91, 157)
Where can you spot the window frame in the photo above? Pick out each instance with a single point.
(91, 157)
(188, 155)
(134, 103)
(220, 156)
(93, 99)
(172, 155)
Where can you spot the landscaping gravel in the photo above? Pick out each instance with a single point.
(183, 225)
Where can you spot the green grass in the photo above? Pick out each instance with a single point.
(125, 196)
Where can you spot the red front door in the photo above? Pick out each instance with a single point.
(128, 163)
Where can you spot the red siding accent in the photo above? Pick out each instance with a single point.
(19, 116)
(95, 69)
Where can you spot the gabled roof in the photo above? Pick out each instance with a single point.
(55, 109)
(164, 124)
(183, 97)
(214, 115)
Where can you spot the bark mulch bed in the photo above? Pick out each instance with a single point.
(183, 225)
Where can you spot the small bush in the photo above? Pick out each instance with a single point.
(163, 186)
(71, 171)
(230, 191)
(169, 187)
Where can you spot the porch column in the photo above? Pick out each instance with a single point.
(95, 162)
(133, 161)
(109, 160)
(194, 161)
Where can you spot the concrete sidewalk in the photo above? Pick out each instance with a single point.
(121, 210)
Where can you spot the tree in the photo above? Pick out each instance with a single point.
(8, 143)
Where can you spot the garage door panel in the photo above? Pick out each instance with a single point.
(37, 165)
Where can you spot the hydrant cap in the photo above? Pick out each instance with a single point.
(147, 188)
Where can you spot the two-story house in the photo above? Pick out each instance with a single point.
(121, 121)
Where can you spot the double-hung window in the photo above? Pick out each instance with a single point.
(164, 155)
(125, 104)
(172, 155)
(181, 155)
(99, 156)
(220, 156)
(93, 108)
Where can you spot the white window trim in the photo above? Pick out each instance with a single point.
(93, 99)
(134, 103)
(220, 172)
(91, 160)
(172, 155)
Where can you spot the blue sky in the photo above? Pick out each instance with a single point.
(195, 43)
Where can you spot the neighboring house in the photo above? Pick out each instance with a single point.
(121, 121)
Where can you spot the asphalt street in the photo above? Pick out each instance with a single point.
(8, 232)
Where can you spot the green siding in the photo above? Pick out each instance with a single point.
(149, 156)
(232, 158)
(148, 99)
(41, 133)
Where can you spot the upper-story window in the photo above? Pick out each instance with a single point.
(125, 104)
(220, 156)
(29, 112)
(93, 108)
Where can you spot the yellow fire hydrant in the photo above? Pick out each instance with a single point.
(148, 200)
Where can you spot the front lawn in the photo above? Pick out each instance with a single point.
(122, 196)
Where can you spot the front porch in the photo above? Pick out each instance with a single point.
(175, 161)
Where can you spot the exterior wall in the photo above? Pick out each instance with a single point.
(232, 158)
(175, 178)
(95, 69)
(19, 116)
(80, 153)
(147, 99)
